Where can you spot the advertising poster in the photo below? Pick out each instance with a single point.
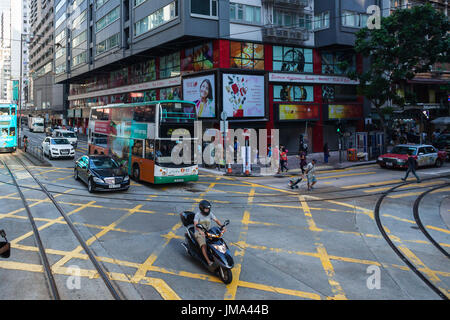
(247, 55)
(298, 112)
(344, 111)
(293, 93)
(201, 91)
(243, 95)
(199, 58)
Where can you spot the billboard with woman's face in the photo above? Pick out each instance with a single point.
(201, 91)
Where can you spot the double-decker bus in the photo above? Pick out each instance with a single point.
(139, 137)
(8, 127)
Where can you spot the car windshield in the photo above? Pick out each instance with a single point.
(69, 135)
(103, 163)
(403, 150)
(60, 141)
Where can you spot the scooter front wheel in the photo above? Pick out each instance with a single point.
(225, 275)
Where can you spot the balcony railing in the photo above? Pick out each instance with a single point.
(292, 4)
(290, 35)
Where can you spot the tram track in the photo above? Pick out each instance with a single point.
(54, 291)
(383, 232)
(290, 194)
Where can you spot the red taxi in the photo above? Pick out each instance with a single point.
(426, 155)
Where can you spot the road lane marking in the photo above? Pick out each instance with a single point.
(421, 185)
(336, 288)
(231, 288)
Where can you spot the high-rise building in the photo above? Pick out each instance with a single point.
(48, 97)
(10, 46)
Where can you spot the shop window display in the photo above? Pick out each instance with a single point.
(292, 59)
(339, 62)
(199, 58)
(172, 93)
(293, 93)
(247, 55)
(169, 66)
(143, 72)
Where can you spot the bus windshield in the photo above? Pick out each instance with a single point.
(164, 152)
(177, 112)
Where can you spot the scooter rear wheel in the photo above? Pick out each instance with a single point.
(225, 275)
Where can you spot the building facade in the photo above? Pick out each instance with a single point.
(431, 89)
(268, 63)
(49, 99)
(13, 23)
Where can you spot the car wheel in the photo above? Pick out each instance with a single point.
(91, 187)
(136, 173)
(75, 174)
(438, 163)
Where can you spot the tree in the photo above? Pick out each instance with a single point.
(408, 42)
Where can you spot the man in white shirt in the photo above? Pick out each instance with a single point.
(311, 174)
(204, 217)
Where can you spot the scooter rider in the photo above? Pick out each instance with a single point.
(204, 217)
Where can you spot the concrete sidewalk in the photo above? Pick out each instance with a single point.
(294, 165)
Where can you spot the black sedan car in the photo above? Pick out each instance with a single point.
(101, 172)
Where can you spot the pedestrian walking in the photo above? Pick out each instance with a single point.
(283, 159)
(311, 174)
(302, 160)
(25, 143)
(236, 146)
(412, 163)
(326, 153)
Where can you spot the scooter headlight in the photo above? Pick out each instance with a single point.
(221, 248)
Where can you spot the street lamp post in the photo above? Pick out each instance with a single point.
(19, 113)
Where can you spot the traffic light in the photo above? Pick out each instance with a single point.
(339, 130)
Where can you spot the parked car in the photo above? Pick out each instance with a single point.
(426, 155)
(57, 148)
(69, 135)
(443, 143)
(101, 172)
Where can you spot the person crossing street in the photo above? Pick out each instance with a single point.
(412, 164)
(311, 174)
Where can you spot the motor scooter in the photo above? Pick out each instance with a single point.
(5, 246)
(217, 249)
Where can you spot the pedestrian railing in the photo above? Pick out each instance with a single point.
(33, 149)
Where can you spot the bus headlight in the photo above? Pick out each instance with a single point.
(163, 171)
